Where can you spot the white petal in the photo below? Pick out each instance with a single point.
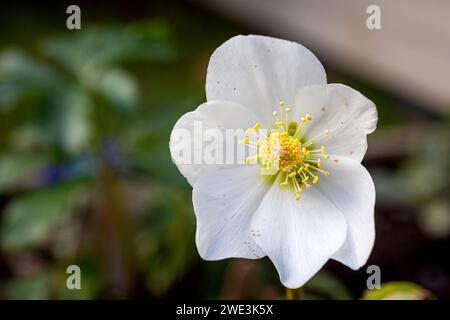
(347, 114)
(299, 236)
(224, 203)
(258, 72)
(350, 188)
(188, 140)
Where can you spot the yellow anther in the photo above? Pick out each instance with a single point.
(282, 151)
(248, 131)
(245, 140)
(247, 160)
(281, 103)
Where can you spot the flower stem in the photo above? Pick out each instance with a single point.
(295, 294)
(301, 293)
(289, 294)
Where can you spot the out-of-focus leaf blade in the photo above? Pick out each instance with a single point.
(398, 290)
(325, 285)
(117, 87)
(14, 168)
(36, 287)
(28, 219)
(20, 74)
(105, 46)
(74, 121)
(17, 67)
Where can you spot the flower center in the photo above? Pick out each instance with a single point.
(285, 151)
(280, 150)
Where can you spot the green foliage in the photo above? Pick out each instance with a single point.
(78, 100)
(105, 46)
(327, 286)
(398, 291)
(15, 168)
(35, 287)
(30, 218)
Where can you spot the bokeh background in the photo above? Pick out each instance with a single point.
(86, 176)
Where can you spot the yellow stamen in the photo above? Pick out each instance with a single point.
(282, 152)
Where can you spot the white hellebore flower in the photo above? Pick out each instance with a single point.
(304, 196)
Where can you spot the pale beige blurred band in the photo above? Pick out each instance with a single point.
(409, 55)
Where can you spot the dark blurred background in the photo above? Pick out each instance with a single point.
(85, 171)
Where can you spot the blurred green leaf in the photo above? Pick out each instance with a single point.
(14, 168)
(28, 219)
(36, 287)
(153, 30)
(105, 46)
(325, 285)
(117, 87)
(20, 74)
(17, 67)
(73, 123)
(165, 241)
(27, 138)
(9, 94)
(398, 290)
